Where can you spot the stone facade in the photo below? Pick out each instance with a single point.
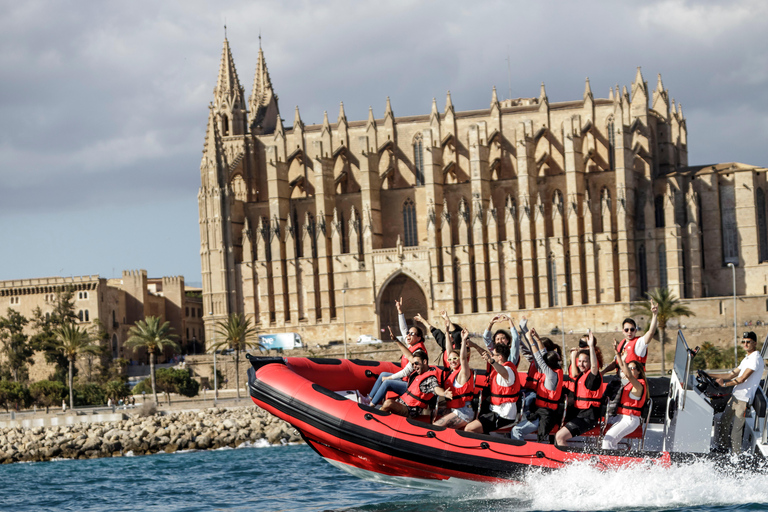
(574, 208)
(117, 303)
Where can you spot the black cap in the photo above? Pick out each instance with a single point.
(751, 335)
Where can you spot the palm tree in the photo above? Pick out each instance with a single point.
(669, 307)
(238, 334)
(72, 341)
(155, 337)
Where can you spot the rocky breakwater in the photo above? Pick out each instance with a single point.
(190, 430)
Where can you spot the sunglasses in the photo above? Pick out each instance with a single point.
(747, 341)
(630, 329)
(453, 358)
(409, 333)
(634, 369)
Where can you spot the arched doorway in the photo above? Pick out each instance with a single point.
(414, 301)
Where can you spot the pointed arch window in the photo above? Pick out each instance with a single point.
(662, 266)
(762, 225)
(642, 270)
(418, 159)
(611, 145)
(552, 281)
(267, 236)
(343, 233)
(729, 226)
(658, 204)
(411, 237)
(225, 125)
(640, 211)
(296, 237)
(681, 212)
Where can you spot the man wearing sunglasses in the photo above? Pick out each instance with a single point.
(634, 347)
(745, 379)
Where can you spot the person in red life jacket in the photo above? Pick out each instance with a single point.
(504, 391)
(545, 378)
(414, 340)
(460, 383)
(634, 347)
(423, 386)
(448, 340)
(412, 336)
(511, 338)
(588, 395)
(631, 401)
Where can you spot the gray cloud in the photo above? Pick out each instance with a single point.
(106, 103)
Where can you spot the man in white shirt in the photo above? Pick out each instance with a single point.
(745, 380)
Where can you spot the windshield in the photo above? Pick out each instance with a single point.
(681, 359)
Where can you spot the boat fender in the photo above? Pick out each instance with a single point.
(672, 409)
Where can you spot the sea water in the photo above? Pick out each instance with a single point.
(295, 478)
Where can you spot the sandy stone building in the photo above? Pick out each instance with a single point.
(117, 303)
(581, 206)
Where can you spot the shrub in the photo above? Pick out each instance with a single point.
(147, 409)
(13, 394)
(89, 394)
(116, 389)
(48, 393)
(170, 380)
(144, 386)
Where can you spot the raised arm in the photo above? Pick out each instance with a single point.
(572, 367)
(465, 372)
(400, 345)
(648, 336)
(593, 367)
(500, 368)
(514, 350)
(402, 324)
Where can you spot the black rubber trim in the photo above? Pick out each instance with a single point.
(427, 426)
(329, 361)
(365, 362)
(327, 392)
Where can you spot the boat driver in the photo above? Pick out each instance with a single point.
(745, 380)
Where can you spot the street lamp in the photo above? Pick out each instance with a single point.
(344, 313)
(562, 314)
(735, 328)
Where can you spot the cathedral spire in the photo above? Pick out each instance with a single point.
(610, 94)
(371, 120)
(587, 90)
(388, 110)
(297, 124)
(494, 97)
(262, 104)
(434, 113)
(448, 102)
(228, 96)
(543, 94)
(342, 114)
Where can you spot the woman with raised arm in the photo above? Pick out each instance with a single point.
(588, 397)
(511, 338)
(631, 401)
(391, 381)
(448, 341)
(412, 336)
(504, 391)
(461, 384)
(546, 379)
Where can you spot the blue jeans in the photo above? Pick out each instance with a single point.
(380, 388)
(520, 430)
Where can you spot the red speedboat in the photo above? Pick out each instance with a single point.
(319, 398)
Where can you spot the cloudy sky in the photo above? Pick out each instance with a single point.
(103, 105)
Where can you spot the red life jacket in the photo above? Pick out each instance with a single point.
(628, 347)
(413, 348)
(586, 398)
(569, 383)
(461, 394)
(502, 394)
(414, 397)
(530, 378)
(544, 397)
(628, 405)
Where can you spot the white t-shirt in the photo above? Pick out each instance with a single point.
(746, 390)
(506, 410)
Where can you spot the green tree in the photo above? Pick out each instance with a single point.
(239, 334)
(13, 394)
(669, 307)
(89, 393)
(155, 337)
(47, 393)
(116, 389)
(72, 341)
(172, 380)
(18, 352)
(44, 328)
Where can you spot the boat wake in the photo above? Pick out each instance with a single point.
(583, 487)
